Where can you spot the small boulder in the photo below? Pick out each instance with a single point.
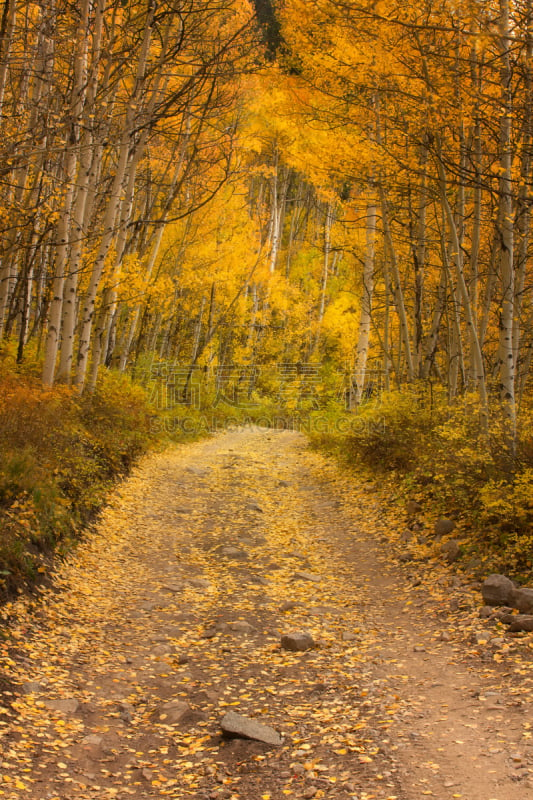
(346, 636)
(93, 746)
(413, 507)
(521, 622)
(174, 712)
(289, 605)
(522, 599)
(451, 550)
(162, 650)
(199, 583)
(405, 556)
(126, 711)
(31, 687)
(175, 588)
(497, 590)
(240, 626)
(444, 526)
(297, 641)
(307, 576)
(505, 615)
(235, 553)
(233, 724)
(68, 705)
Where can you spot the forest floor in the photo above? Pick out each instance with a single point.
(170, 614)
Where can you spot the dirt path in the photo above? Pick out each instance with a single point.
(121, 678)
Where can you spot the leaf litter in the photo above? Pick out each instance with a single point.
(116, 679)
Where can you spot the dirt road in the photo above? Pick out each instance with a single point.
(170, 615)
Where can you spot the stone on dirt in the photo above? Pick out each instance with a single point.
(348, 637)
(234, 724)
(68, 705)
(30, 687)
(444, 526)
(521, 622)
(92, 741)
(199, 583)
(297, 641)
(93, 746)
(126, 711)
(174, 712)
(413, 507)
(497, 590)
(175, 588)
(233, 552)
(522, 599)
(240, 626)
(307, 576)
(288, 605)
(451, 550)
(162, 650)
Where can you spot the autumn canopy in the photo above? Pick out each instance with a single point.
(344, 184)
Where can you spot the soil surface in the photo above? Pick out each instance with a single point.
(170, 615)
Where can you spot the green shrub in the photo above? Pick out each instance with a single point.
(455, 461)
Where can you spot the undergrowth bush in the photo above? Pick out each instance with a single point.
(59, 454)
(454, 461)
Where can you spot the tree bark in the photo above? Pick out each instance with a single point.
(365, 319)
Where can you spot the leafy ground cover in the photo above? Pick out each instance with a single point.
(172, 613)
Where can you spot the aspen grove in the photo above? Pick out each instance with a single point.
(339, 182)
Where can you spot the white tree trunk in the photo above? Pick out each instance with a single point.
(363, 339)
(64, 223)
(462, 288)
(506, 354)
(112, 210)
(397, 287)
(6, 33)
(88, 172)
